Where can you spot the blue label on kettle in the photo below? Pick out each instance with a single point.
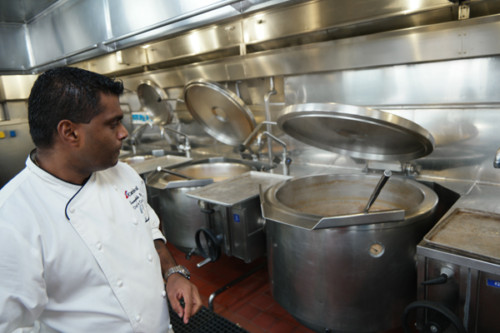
(236, 218)
(493, 283)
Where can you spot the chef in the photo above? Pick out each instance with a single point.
(81, 248)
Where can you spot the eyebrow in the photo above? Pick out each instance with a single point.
(111, 120)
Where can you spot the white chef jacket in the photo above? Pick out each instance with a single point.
(80, 258)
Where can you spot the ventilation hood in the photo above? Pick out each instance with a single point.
(128, 36)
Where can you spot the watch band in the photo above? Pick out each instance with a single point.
(177, 269)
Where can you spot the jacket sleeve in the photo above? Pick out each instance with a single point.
(155, 225)
(154, 219)
(22, 288)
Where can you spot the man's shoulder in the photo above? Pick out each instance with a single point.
(13, 186)
(17, 198)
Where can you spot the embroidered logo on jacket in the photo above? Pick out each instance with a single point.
(131, 192)
(137, 201)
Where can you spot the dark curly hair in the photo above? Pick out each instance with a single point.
(65, 93)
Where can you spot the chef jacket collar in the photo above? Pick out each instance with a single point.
(69, 189)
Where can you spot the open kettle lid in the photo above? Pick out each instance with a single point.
(356, 131)
(222, 113)
(154, 100)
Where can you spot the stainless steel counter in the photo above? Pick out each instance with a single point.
(234, 191)
(463, 249)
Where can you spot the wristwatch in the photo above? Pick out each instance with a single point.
(177, 269)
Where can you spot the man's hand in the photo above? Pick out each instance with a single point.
(179, 287)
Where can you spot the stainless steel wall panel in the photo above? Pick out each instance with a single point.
(75, 30)
(16, 87)
(408, 46)
(13, 47)
(431, 43)
(17, 110)
(130, 15)
(72, 27)
(178, 77)
(116, 63)
(323, 15)
(21, 11)
(456, 101)
(197, 42)
(133, 22)
(454, 82)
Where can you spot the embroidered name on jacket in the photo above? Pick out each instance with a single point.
(137, 201)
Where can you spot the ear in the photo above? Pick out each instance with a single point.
(68, 132)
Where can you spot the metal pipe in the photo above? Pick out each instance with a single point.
(187, 146)
(271, 92)
(136, 134)
(286, 160)
(249, 139)
(174, 173)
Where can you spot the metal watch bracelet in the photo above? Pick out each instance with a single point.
(177, 269)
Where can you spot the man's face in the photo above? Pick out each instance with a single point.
(103, 136)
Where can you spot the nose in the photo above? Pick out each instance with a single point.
(122, 132)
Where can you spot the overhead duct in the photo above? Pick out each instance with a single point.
(116, 34)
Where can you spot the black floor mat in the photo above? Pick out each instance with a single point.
(204, 321)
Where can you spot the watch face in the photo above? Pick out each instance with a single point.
(185, 272)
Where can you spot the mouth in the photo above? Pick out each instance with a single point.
(116, 154)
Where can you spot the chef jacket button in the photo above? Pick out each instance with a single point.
(138, 318)
(71, 210)
(98, 246)
(135, 221)
(163, 293)
(119, 283)
(150, 257)
(115, 187)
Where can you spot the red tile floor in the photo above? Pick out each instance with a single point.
(248, 303)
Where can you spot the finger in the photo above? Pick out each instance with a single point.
(187, 308)
(194, 305)
(197, 302)
(176, 305)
